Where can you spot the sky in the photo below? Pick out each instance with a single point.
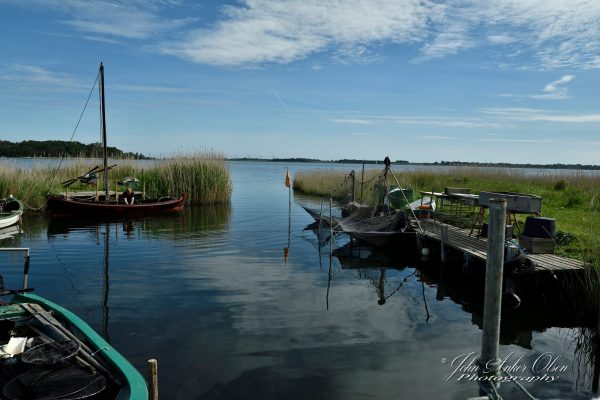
(489, 81)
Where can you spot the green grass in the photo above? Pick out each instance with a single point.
(572, 200)
(203, 175)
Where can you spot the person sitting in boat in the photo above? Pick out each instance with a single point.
(128, 196)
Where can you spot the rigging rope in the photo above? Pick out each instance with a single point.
(73, 134)
(407, 202)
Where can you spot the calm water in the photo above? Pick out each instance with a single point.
(209, 294)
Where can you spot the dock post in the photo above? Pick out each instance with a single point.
(443, 240)
(152, 379)
(489, 360)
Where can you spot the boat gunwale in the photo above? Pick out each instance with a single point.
(135, 386)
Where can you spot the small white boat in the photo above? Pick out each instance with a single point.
(11, 210)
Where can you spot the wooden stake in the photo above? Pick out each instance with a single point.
(116, 192)
(493, 287)
(152, 379)
(443, 240)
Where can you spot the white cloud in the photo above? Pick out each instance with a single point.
(500, 39)
(262, 31)
(559, 34)
(546, 34)
(554, 90)
(530, 114)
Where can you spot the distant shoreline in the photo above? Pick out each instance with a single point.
(433, 164)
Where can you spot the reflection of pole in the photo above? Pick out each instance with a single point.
(288, 184)
(596, 355)
(493, 287)
(329, 273)
(106, 282)
(425, 299)
(381, 287)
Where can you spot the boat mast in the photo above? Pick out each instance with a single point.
(104, 149)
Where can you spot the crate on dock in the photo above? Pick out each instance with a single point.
(537, 245)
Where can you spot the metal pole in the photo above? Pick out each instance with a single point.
(493, 288)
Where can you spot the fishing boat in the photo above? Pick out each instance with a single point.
(48, 352)
(11, 210)
(107, 205)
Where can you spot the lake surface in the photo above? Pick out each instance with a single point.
(210, 293)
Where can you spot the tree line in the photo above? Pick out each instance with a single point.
(60, 148)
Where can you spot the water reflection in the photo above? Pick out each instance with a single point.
(545, 311)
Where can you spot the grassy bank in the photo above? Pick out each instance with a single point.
(204, 175)
(573, 200)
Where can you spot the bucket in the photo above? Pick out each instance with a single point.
(539, 227)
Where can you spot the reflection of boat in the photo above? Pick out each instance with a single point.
(378, 230)
(354, 255)
(104, 205)
(11, 210)
(10, 231)
(49, 350)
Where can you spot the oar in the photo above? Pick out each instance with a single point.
(71, 181)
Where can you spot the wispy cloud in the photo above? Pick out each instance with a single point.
(530, 114)
(150, 89)
(559, 34)
(263, 31)
(518, 140)
(135, 19)
(347, 121)
(528, 33)
(42, 77)
(555, 90)
(437, 121)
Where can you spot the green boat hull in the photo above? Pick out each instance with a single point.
(133, 384)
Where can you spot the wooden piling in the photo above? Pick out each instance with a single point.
(152, 379)
(493, 287)
(443, 241)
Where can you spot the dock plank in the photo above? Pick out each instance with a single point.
(459, 239)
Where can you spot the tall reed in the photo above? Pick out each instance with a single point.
(203, 175)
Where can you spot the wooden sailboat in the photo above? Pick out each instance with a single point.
(63, 205)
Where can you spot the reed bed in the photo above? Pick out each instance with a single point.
(203, 175)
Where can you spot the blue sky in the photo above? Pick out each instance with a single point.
(510, 80)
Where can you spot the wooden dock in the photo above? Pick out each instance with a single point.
(459, 239)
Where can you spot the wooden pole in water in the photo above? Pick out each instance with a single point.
(97, 189)
(353, 183)
(116, 192)
(330, 225)
(362, 181)
(152, 379)
(493, 288)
